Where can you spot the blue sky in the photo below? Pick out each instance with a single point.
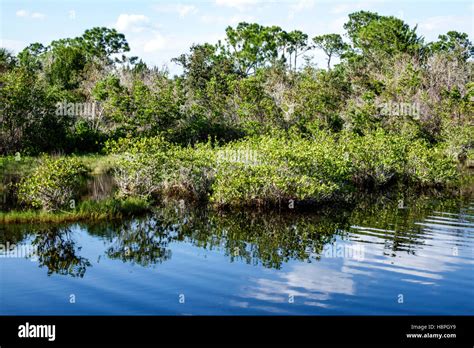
(160, 30)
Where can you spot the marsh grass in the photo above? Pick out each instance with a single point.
(108, 209)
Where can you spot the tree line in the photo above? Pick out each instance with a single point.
(257, 80)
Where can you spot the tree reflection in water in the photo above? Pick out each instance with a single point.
(56, 250)
(140, 241)
(269, 239)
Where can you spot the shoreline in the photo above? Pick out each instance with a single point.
(121, 209)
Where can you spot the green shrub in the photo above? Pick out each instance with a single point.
(271, 169)
(152, 166)
(189, 172)
(377, 158)
(240, 185)
(459, 141)
(431, 166)
(139, 165)
(53, 183)
(380, 158)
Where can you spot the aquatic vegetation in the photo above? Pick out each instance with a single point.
(279, 168)
(107, 209)
(53, 184)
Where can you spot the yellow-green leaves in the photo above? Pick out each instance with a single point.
(53, 184)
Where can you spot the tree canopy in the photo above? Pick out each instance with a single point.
(257, 80)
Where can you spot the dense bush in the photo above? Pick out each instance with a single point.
(274, 169)
(431, 166)
(147, 167)
(247, 84)
(377, 158)
(53, 184)
(139, 166)
(189, 172)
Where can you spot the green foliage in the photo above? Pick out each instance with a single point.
(373, 34)
(251, 83)
(454, 42)
(101, 42)
(254, 104)
(314, 134)
(107, 209)
(139, 109)
(7, 60)
(279, 170)
(380, 158)
(319, 96)
(148, 167)
(28, 122)
(189, 172)
(331, 44)
(459, 142)
(139, 166)
(273, 169)
(85, 139)
(53, 184)
(30, 57)
(112, 208)
(431, 166)
(377, 158)
(252, 45)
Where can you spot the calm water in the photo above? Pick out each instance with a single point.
(375, 258)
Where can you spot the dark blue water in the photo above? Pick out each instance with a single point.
(374, 258)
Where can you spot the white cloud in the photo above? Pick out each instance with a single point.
(341, 8)
(157, 43)
(299, 6)
(433, 23)
(131, 22)
(349, 7)
(431, 27)
(184, 10)
(26, 14)
(314, 284)
(237, 19)
(337, 25)
(223, 20)
(141, 40)
(241, 5)
(22, 13)
(180, 9)
(37, 15)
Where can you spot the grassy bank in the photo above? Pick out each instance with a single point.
(109, 209)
